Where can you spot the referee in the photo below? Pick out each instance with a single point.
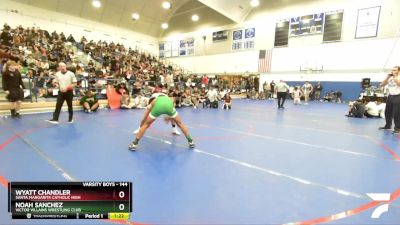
(392, 110)
(65, 80)
(281, 90)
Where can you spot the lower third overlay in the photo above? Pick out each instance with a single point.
(70, 200)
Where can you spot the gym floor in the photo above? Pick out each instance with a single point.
(254, 164)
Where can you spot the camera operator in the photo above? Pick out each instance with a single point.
(392, 110)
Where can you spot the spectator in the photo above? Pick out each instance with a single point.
(356, 109)
(39, 84)
(272, 85)
(196, 97)
(318, 89)
(375, 109)
(71, 39)
(89, 102)
(212, 98)
(13, 87)
(125, 99)
(140, 102)
(187, 97)
(177, 96)
(252, 94)
(227, 101)
(267, 90)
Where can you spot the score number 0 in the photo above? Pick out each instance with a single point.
(121, 195)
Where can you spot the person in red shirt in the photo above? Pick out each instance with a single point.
(204, 81)
(227, 101)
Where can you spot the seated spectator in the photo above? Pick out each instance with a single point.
(140, 102)
(375, 109)
(195, 97)
(177, 95)
(89, 102)
(212, 99)
(125, 99)
(356, 109)
(253, 94)
(40, 84)
(261, 95)
(187, 98)
(329, 96)
(227, 101)
(147, 90)
(338, 95)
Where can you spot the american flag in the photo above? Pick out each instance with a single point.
(264, 61)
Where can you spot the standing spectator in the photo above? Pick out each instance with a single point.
(392, 110)
(281, 90)
(307, 90)
(272, 85)
(65, 80)
(318, 89)
(13, 87)
(204, 81)
(267, 90)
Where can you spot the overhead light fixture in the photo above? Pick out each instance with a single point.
(254, 3)
(135, 16)
(166, 5)
(164, 26)
(96, 3)
(195, 18)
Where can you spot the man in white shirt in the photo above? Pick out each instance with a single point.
(65, 80)
(281, 90)
(212, 96)
(375, 109)
(392, 110)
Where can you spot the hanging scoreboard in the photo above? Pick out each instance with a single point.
(333, 26)
(306, 25)
(70, 200)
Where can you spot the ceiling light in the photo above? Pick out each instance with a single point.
(166, 5)
(195, 18)
(254, 3)
(164, 26)
(96, 3)
(135, 16)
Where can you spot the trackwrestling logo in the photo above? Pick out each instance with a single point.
(380, 197)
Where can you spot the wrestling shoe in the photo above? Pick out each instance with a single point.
(385, 128)
(191, 144)
(396, 131)
(175, 131)
(52, 121)
(132, 146)
(71, 121)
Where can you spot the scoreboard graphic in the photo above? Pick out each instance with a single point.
(70, 200)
